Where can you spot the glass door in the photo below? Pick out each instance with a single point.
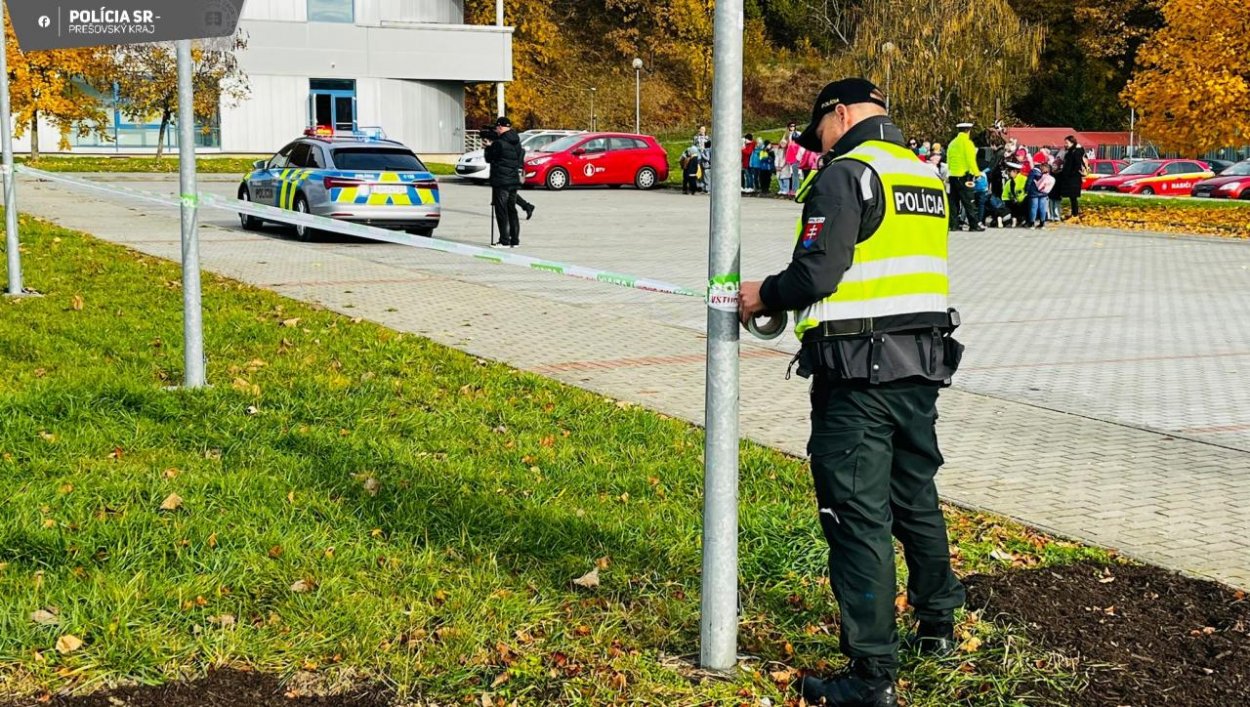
(332, 103)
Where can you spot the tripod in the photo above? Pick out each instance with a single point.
(491, 215)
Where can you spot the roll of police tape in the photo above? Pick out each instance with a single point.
(373, 233)
(768, 325)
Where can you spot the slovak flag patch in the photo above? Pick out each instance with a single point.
(811, 231)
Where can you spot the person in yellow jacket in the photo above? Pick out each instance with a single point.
(961, 158)
(1014, 192)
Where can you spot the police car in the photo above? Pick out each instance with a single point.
(358, 176)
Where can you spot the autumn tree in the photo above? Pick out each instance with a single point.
(944, 60)
(147, 80)
(1090, 50)
(1192, 85)
(64, 87)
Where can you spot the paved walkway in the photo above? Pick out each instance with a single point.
(1128, 427)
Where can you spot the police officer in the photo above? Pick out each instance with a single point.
(961, 158)
(868, 279)
(506, 158)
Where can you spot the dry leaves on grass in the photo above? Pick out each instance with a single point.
(303, 586)
(171, 503)
(1227, 222)
(590, 580)
(45, 617)
(68, 644)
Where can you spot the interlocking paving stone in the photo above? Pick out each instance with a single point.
(1103, 395)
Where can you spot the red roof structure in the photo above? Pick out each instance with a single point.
(1034, 138)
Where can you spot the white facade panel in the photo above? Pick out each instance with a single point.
(276, 113)
(289, 10)
(423, 52)
(426, 116)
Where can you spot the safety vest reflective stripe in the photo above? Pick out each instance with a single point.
(902, 267)
(829, 311)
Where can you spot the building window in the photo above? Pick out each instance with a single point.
(332, 11)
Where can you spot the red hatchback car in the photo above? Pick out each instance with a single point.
(1101, 168)
(1162, 177)
(593, 159)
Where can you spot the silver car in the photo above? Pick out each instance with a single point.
(354, 177)
(472, 165)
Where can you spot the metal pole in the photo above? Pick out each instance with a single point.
(594, 122)
(11, 244)
(637, 101)
(718, 628)
(192, 324)
(1132, 129)
(499, 87)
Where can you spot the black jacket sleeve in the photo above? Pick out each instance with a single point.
(845, 207)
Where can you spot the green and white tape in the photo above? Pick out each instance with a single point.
(722, 293)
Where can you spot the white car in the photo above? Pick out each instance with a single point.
(472, 165)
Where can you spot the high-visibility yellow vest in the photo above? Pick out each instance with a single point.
(901, 268)
(961, 156)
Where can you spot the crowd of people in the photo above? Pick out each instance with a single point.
(997, 184)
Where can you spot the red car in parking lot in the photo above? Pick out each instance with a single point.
(593, 159)
(1162, 177)
(1232, 183)
(1099, 169)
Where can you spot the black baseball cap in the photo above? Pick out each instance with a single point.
(503, 122)
(847, 92)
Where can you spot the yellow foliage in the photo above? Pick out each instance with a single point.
(1192, 85)
(1212, 221)
(62, 86)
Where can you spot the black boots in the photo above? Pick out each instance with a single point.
(857, 686)
(529, 211)
(931, 639)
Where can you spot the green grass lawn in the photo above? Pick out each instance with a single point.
(355, 503)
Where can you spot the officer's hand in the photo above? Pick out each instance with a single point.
(749, 302)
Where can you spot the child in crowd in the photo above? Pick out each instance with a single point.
(1038, 189)
(981, 195)
(690, 170)
(748, 174)
(767, 166)
(1013, 195)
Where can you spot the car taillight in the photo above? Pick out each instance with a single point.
(427, 184)
(337, 182)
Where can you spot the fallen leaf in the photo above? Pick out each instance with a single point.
(68, 644)
(43, 617)
(590, 580)
(224, 621)
(251, 410)
(290, 323)
(603, 562)
(172, 502)
(972, 645)
(117, 453)
(302, 586)
(170, 473)
(1106, 580)
(1001, 555)
(782, 677)
(275, 552)
(77, 303)
(47, 436)
(372, 486)
(503, 678)
(212, 540)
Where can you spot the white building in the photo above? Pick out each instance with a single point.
(399, 64)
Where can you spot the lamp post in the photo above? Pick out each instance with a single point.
(594, 122)
(637, 95)
(888, 50)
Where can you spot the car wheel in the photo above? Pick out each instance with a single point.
(557, 179)
(250, 223)
(645, 179)
(1148, 191)
(304, 233)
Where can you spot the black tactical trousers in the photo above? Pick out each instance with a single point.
(504, 200)
(874, 456)
(963, 205)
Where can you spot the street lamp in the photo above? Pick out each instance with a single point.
(637, 95)
(888, 50)
(594, 122)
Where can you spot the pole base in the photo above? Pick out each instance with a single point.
(23, 294)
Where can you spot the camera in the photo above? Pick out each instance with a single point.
(487, 133)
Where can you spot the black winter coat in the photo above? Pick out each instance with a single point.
(506, 159)
(1068, 180)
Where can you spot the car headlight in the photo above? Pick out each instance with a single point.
(539, 161)
(1231, 186)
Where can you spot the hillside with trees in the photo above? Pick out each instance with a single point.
(1044, 62)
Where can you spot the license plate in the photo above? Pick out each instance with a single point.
(390, 189)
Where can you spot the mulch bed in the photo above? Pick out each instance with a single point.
(1146, 636)
(224, 688)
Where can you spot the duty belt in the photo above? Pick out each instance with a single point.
(867, 326)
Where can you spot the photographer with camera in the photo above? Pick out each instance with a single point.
(506, 158)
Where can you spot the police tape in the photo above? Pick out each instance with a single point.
(373, 233)
(721, 294)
